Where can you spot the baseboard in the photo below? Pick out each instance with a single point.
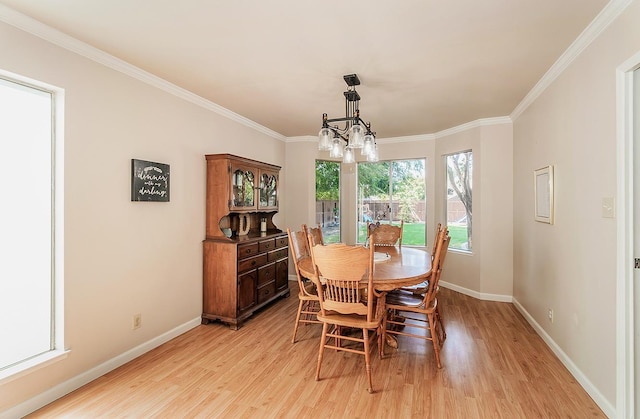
(78, 381)
(475, 294)
(588, 386)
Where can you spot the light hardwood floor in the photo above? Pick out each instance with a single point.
(494, 366)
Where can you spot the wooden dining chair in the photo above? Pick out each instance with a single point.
(386, 234)
(418, 316)
(421, 288)
(309, 303)
(347, 301)
(315, 232)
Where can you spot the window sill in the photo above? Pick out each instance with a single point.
(31, 365)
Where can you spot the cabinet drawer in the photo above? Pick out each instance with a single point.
(266, 274)
(247, 250)
(282, 241)
(266, 292)
(266, 245)
(251, 263)
(278, 254)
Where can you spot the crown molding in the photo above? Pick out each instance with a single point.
(422, 137)
(302, 139)
(601, 22)
(65, 41)
(484, 122)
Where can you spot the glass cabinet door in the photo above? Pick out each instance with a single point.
(268, 190)
(243, 182)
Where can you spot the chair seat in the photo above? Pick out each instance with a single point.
(405, 299)
(420, 288)
(349, 320)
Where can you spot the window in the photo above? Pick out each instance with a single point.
(391, 191)
(27, 258)
(328, 199)
(459, 199)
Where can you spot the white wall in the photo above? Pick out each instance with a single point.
(571, 266)
(124, 257)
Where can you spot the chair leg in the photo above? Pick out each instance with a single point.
(434, 337)
(367, 358)
(325, 327)
(443, 331)
(295, 326)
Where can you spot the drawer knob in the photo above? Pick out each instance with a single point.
(253, 262)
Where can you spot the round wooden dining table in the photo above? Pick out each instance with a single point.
(394, 267)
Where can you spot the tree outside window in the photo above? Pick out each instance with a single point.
(459, 199)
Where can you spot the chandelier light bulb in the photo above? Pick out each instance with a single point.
(349, 156)
(336, 149)
(324, 139)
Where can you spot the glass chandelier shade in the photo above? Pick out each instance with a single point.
(349, 156)
(373, 155)
(356, 136)
(336, 148)
(324, 139)
(367, 145)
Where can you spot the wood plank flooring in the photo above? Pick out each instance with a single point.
(494, 366)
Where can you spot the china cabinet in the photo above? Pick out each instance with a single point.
(245, 254)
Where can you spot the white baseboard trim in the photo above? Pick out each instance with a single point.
(78, 381)
(475, 294)
(600, 400)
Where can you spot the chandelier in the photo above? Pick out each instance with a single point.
(354, 132)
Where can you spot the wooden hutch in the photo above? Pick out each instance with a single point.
(244, 268)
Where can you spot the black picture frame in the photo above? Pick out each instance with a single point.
(150, 181)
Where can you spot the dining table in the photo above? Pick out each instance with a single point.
(394, 267)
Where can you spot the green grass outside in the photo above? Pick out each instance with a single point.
(413, 235)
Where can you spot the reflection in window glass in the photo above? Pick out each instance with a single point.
(459, 199)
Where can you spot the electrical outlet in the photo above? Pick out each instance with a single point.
(137, 321)
(550, 315)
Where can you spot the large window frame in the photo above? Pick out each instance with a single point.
(405, 192)
(24, 144)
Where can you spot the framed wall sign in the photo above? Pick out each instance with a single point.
(543, 188)
(149, 181)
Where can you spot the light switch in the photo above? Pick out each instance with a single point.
(608, 207)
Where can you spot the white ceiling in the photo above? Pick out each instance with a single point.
(424, 65)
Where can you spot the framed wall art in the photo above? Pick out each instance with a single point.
(543, 189)
(149, 181)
